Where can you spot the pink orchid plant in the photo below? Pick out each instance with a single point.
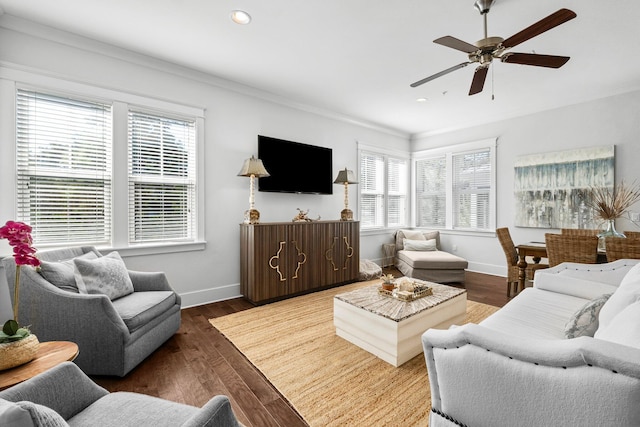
(19, 236)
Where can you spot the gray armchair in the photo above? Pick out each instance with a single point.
(113, 336)
(80, 402)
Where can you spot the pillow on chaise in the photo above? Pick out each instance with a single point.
(106, 275)
(407, 234)
(61, 273)
(584, 322)
(419, 245)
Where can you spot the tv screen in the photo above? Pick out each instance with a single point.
(295, 167)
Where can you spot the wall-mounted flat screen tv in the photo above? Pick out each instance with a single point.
(295, 167)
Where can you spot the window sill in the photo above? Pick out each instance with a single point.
(156, 248)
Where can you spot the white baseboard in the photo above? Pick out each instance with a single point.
(207, 296)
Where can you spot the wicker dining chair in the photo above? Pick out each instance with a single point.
(569, 248)
(621, 248)
(511, 253)
(580, 231)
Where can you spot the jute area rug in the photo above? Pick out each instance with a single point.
(328, 380)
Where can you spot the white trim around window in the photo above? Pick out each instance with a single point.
(11, 80)
(385, 187)
(454, 187)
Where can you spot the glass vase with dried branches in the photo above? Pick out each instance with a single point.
(610, 203)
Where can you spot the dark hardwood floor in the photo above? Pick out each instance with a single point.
(198, 362)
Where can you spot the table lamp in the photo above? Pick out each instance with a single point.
(252, 168)
(346, 177)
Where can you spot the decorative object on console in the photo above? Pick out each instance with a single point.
(346, 177)
(252, 168)
(303, 217)
(610, 203)
(18, 345)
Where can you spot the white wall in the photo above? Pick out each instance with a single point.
(607, 121)
(234, 117)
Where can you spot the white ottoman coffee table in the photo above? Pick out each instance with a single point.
(390, 328)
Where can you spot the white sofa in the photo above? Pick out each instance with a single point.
(518, 368)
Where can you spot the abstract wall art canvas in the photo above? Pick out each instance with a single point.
(550, 188)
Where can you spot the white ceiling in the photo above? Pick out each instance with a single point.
(358, 57)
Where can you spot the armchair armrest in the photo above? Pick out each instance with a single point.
(480, 376)
(144, 281)
(64, 388)
(216, 412)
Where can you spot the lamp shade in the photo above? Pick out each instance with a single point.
(253, 167)
(345, 177)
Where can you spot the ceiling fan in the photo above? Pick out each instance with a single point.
(489, 48)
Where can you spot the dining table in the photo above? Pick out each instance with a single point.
(535, 250)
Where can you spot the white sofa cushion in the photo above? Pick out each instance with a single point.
(624, 328)
(627, 293)
(535, 314)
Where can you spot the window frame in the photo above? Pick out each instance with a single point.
(449, 153)
(385, 154)
(12, 80)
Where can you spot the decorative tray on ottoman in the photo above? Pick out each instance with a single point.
(407, 290)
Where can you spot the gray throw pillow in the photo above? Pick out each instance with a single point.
(584, 322)
(13, 415)
(43, 416)
(106, 275)
(61, 273)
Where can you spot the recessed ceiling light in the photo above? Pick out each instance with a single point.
(421, 100)
(240, 17)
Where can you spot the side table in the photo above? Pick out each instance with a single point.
(50, 354)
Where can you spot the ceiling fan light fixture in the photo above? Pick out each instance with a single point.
(240, 17)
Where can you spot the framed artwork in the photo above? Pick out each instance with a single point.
(550, 188)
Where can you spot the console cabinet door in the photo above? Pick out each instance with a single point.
(284, 259)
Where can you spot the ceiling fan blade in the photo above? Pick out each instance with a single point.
(457, 44)
(440, 74)
(545, 24)
(478, 80)
(550, 61)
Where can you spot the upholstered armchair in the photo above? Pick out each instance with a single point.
(64, 395)
(116, 316)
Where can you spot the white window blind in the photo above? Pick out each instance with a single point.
(431, 192)
(384, 182)
(397, 191)
(471, 190)
(162, 178)
(371, 190)
(63, 150)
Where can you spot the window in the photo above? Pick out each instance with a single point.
(455, 187)
(431, 192)
(384, 182)
(64, 168)
(161, 177)
(75, 185)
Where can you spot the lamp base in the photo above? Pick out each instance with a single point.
(251, 216)
(346, 215)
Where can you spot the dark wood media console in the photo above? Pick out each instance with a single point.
(283, 259)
